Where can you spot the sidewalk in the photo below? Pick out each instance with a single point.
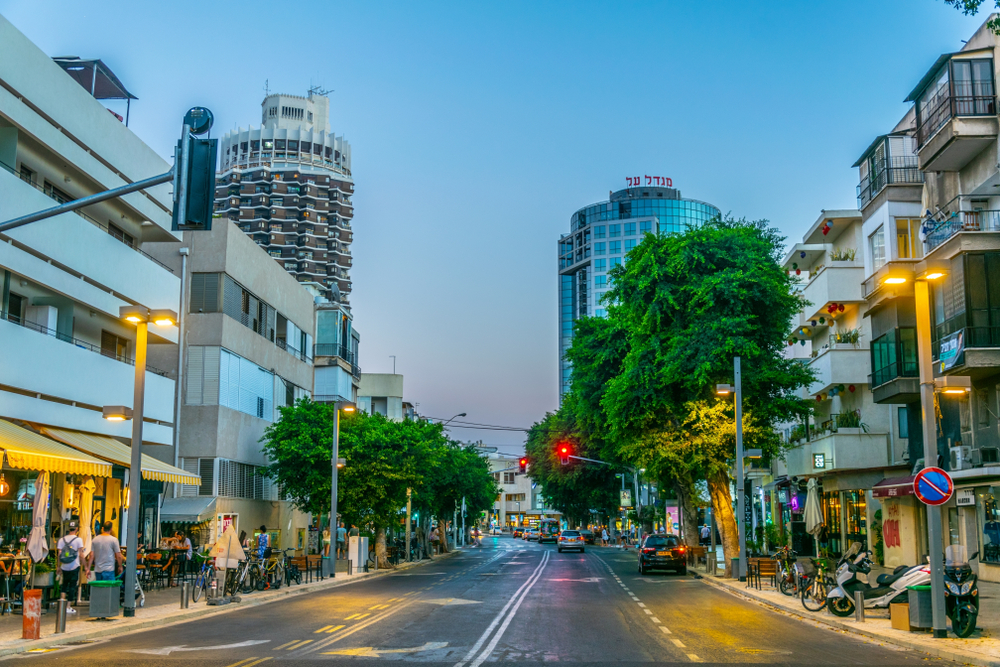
(163, 608)
(983, 648)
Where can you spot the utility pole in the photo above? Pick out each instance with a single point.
(740, 500)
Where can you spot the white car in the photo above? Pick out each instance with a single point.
(496, 531)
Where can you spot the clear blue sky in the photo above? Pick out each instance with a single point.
(479, 128)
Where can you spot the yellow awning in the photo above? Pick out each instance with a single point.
(29, 451)
(109, 449)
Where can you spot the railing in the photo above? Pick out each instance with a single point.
(900, 170)
(13, 319)
(334, 350)
(950, 106)
(83, 215)
(961, 221)
(298, 354)
(893, 371)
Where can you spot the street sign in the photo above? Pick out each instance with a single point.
(933, 486)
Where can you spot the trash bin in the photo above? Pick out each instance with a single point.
(920, 606)
(734, 563)
(104, 598)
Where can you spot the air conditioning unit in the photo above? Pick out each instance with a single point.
(961, 458)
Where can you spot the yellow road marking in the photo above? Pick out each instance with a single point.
(351, 617)
(243, 662)
(665, 629)
(276, 649)
(335, 628)
(379, 606)
(693, 657)
(362, 616)
(323, 629)
(251, 664)
(299, 645)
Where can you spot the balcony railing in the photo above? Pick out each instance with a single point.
(932, 120)
(893, 371)
(334, 350)
(899, 171)
(961, 221)
(82, 344)
(975, 337)
(298, 354)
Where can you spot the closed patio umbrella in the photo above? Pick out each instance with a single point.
(814, 512)
(86, 514)
(38, 545)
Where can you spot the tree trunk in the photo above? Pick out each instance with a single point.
(442, 536)
(380, 550)
(688, 518)
(725, 519)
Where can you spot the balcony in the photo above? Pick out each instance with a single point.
(979, 353)
(839, 363)
(958, 222)
(844, 449)
(899, 171)
(837, 282)
(955, 130)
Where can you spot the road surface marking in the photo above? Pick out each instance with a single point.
(236, 664)
(379, 606)
(372, 652)
(299, 645)
(693, 657)
(678, 642)
(665, 629)
(525, 587)
(655, 620)
(351, 617)
(648, 612)
(323, 629)
(256, 662)
(167, 650)
(642, 604)
(335, 628)
(446, 602)
(350, 630)
(284, 646)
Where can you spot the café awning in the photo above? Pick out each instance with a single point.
(28, 450)
(114, 451)
(187, 510)
(894, 488)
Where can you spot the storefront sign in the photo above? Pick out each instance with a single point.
(952, 350)
(890, 527)
(748, 505)
(965, 497)
(819, 460)
(636, 181)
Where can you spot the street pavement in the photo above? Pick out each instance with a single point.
(510, 602)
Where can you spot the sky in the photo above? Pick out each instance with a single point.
(477, 130)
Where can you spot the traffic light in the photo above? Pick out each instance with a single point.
(564, 452)
(194, 173)
(522, 465)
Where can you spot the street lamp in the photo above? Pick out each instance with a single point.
(926, 271)
(737, 390)
(141, 317)
(336, 463)
(460, 414)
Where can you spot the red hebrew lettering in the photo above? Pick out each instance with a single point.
(648, 180)
(670, 183)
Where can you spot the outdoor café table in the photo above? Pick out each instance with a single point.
(11, 566)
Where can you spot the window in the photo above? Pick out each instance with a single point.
(598, 231)
(508, 478)
(629, 229)
(630, 243)
(614, 230)
(876, 242)
(114, 346)
(15, 308)
(908, 244)
(646, 227)
(515, 497)
(904, 425)
(600, 264)
(27, 175)
(599, 248)
(600, 282)
(982, 407)
(616, 247)
(120, 234)
(245, 386)
(56, 193)
(600, 312)
(616, 261)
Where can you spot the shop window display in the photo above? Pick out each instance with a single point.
(989, 520)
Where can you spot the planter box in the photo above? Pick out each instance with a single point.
(849, 431)
(44, 580)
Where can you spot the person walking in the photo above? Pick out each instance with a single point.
(434, 538)
(105, 556)
(68, 548)
(341, 541)
(706, 534)
(263, 542)
(604, 536)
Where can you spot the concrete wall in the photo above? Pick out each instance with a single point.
(381, 384)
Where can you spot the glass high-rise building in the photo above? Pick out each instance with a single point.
(600, 236)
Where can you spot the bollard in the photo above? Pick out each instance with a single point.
(349, 563)
(62, 604)
(859, 606)
(185, 594)
(32, 610)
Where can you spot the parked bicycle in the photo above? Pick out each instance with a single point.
(787, 580)
(292, 573)
(267, 572)
(205, 576)
(815, 587)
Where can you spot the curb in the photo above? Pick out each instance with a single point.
(945, 653)
(179, 616)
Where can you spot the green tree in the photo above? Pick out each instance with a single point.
(458, 473)
(299, 447)
(972, 7)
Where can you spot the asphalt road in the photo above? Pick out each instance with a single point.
(510, 602)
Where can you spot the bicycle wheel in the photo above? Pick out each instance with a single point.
(279, 574)
(787, 587)
(199, 585)
(814, 595)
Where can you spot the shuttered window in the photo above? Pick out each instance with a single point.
(245, 386)
(205, 292)
(206, 468)
(190, 466)
(202, 379)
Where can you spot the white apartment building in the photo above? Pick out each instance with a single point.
(66, 353)
(521, 502)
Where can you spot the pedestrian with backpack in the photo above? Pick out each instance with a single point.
(69, 547)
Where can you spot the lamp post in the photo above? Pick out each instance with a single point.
(725, 390)
(460, 414)
(141, 317)
(336, 463)
(928, 271)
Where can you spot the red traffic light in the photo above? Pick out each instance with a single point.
(523, 465)
(564, 454)
(565, 450)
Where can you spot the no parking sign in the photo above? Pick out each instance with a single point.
(933, 486)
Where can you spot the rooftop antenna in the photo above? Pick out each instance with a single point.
(267, 88)
(319, 90)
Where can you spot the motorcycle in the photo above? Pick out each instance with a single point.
(961, 593)
(890, 588)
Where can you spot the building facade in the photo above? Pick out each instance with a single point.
(521, 502)
(599, 239)
(67, 353)
(247, 351)
(337, 374)
(288, 185)
(382, 393)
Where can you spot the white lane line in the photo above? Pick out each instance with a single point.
(529, 581)
(642, 605)
(665, 629)
(677, 642)
(655, 620)
(693, 658)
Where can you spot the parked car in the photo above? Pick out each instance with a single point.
(662, 552)
(588, 536)
(570, 539)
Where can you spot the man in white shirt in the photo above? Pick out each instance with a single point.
(68, 549)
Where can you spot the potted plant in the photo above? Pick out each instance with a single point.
(850, 423)
(42, 575)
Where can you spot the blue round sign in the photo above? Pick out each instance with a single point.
(933, 486)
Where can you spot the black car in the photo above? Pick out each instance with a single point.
(662, 552)
(588, 536)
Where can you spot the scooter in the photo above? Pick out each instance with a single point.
(961, 593)
(891, 587)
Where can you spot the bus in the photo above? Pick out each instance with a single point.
(548, 531)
